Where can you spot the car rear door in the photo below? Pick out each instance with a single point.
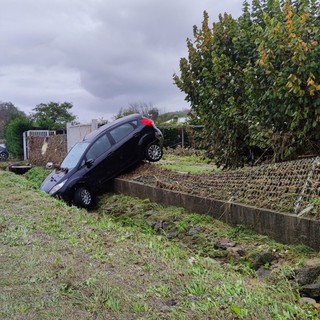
(125, 138)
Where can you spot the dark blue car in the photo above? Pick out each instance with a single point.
(4, 154)
(102, 155)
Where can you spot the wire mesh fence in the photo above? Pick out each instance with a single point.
(292, 187)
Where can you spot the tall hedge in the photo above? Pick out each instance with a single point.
(254, 82)
(13, 134)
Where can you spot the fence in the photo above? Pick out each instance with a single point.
(33, 133)
(41, 146)
(76, 132)
(184, 136)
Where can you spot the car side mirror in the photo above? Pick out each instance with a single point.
(89, 162)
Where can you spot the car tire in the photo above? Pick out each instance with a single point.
(154, 152)
(3, 156)
(82, 197)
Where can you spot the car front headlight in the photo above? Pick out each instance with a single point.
(57, 187)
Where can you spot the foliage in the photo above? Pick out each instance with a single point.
(36, 175)
(254, 81)
(13, 133)
(53, 115)
(7, 111)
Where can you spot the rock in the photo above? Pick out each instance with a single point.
(311, 290)
(172, 233)
(262, 259)
(149, 213)
(263, 273)
(235, 252)
(194, 231)
(309, 272)
(223, 244)
(307, 300)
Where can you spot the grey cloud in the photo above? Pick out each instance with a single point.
(102, 54)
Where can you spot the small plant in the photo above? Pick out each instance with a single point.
(113, 304)
(161, 290)
(196, 288)
(139, 307)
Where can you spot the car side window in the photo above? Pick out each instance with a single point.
(122, 131)
(98, 148)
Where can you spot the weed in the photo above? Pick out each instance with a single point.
(196, 288)
(139, 307)
(160, 290)
(198, 270)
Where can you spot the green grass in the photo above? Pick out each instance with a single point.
(60, 262)
(190, 163)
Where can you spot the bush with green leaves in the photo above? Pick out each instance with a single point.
(13, 133)
(254, 81)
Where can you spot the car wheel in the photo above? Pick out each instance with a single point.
(82, 197)
(154, 152)
(3, 156)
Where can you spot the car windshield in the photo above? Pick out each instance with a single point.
(74, 155)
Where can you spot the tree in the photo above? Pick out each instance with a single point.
(13, 133)
(147, 110)
(7, 111)
(52, 116)
(254, 81)
(284, 83)
(213, 79)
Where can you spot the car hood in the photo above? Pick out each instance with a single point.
(52, 179)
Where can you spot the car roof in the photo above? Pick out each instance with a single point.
(92, 135)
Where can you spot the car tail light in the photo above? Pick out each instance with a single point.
(147, 122)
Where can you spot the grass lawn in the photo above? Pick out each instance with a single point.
(185, 160)
(60, 262)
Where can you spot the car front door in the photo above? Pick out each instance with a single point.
(99, 162)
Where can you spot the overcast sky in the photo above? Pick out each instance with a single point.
(100, 55)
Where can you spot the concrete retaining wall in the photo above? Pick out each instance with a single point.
(285, 228)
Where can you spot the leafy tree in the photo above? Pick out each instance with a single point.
(254, 81)
(147, 110)
(52, 116)
(213, 79)
(7, 111)
(284, 84)
(13, 133)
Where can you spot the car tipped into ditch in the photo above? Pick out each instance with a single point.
(101, 156)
